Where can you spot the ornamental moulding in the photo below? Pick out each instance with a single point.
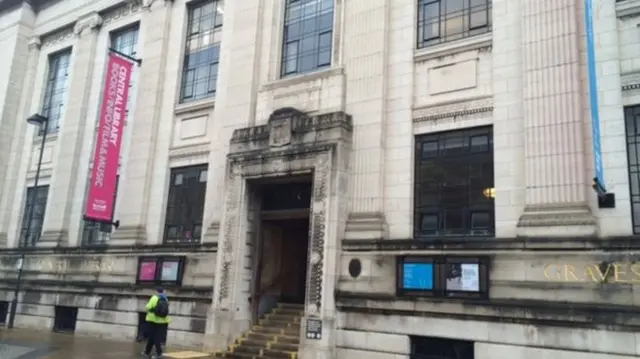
(453, 109)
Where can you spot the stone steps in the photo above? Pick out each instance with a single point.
(276, 336)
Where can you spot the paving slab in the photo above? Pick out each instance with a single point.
(28, 344)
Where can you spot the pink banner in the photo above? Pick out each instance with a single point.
(104, 173)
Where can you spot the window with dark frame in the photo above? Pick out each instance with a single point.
(55, 92)
(308, 36)
(185, 205)
(202, 53)
(632, 123)
(454, 184)
(161, 270)
(36, 199)
(442, 21)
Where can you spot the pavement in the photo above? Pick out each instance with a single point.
(29, 344)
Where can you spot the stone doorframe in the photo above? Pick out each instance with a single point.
(290, 143)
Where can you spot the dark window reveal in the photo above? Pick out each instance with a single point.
(36, 200)
(441, 21)
(454, 189)
(202, 53)
(185, 205)
(308, 36)
(441, 348)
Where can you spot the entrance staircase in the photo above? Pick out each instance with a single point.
(276, 336)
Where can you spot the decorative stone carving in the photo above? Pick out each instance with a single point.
(57, 36)
(91, 22)
(281, 147)
(128, 8)
(34, 43)
(454, 109)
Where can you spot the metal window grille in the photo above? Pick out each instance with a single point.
(308, 36)
(36, 199)
(632, 122)
(202, 53)
(454, 184)
(442, 21)
(185, 204)
(55, 92)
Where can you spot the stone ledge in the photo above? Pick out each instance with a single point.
(627, 8)
(516, 311)
(100, 288)
(488, 245)
(366, 225)
(53, 238)
(117, 249)
(130, 235)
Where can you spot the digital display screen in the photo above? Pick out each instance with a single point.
(463, 277)
(147, 271)
(170, 271)
(417, 276)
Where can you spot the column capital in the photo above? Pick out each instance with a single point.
(90, 21)
(34, 43)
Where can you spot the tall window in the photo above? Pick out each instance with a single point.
(98, 232)
(55, 92)
(126, 41)
(37, 202)
(447, 20)
(308, 34)
(185, 205)
(200, 67)
(454, 193)
(632, 121)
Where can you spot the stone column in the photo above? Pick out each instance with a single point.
(71, 132)
(17, 139)
(137, 181)
(367, 94)
(555, 175)
(240, 54)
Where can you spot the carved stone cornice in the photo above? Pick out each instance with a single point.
(453, 109)
(178, 153)
(91, 21)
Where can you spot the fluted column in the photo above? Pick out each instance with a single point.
(71, 132)
(555, 176)
(367, 94)
(137, 182)
(17, 140)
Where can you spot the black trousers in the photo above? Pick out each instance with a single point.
(155, 337)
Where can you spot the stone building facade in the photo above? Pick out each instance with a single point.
(430, 135)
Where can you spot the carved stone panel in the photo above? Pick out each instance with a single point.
(280, 132)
